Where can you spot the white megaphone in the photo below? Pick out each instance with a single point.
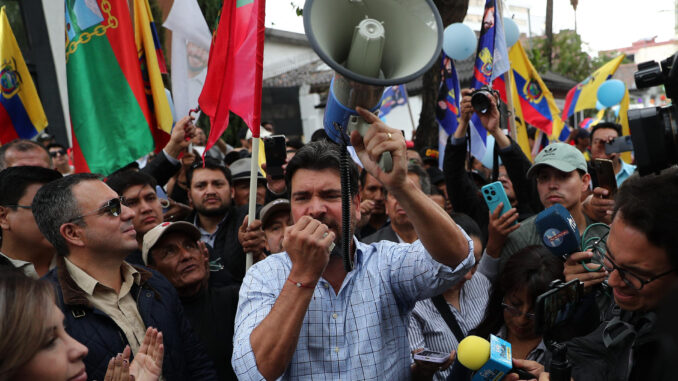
(370, 44)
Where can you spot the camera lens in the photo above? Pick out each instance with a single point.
(480, 100)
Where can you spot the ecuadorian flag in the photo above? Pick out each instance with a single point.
(585, 94)
(21, 113)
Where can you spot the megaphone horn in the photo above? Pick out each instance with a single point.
(370, 44)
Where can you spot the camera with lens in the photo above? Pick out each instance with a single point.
(480, 99)
(654, 131)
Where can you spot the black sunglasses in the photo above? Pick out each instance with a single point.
(57, 153)
(112, 207)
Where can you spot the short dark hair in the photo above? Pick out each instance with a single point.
(424, 178)
(120, 181)
(317, 156)
(21, 145)
(649, 205)
(470, 226)
(608, 125)
(209, 163)
(295, 142)
(54, 205)
(55, 145)
(15, 180)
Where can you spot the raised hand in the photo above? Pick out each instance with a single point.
(147, 364)
(379, 139)
(307, 242)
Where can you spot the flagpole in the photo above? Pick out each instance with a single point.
(409, 110)
(507, 85)
(254, 172)
(537, 143)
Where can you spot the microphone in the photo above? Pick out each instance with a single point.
(558, 231)
(491, 360)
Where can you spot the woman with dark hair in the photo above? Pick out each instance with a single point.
(35, 346)
(439, 323)
(510, 311)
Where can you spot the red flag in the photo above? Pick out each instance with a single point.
(235, 68)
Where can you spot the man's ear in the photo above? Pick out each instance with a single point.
(586, 181)
(356, 205)
(73, 234)
(4, 222)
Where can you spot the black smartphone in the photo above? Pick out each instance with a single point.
(605, 177)
(275, 148)
(620, 144)
(557, 306)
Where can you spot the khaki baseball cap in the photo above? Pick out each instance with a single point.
(561, 156)
(153, 236)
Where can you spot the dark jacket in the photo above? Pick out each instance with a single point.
(384, 234)
(465, 195)
(161, 169)
(227, 249)
(159, 307)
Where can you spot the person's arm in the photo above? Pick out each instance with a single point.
(166, 163)
(461, 189)
(274, 340)
(441, 237)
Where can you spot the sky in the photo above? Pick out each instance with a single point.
(602, 24)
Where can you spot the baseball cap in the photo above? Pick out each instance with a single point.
(280, 204)
(240, 170)
(153, 236)
(561, 156)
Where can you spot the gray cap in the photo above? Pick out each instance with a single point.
(153, 236)
(280, 204)
(240, 169)
(561, 156)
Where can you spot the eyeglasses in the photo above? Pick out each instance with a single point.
(57, 153)
(513, 310)
(27, 207)
(112, 207)
(635, 281)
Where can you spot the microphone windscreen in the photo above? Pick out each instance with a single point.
(473, 352)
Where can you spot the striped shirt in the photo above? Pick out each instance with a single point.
(359, 333)
(429, 330)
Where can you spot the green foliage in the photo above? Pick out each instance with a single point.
(210, 9)
(568, 57)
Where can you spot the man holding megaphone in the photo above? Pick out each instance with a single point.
(302, 316)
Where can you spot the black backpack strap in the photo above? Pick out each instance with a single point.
(444, 310)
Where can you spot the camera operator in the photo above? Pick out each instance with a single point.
(641, 258)
(464, 194)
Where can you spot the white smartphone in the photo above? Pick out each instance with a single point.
(432, 356)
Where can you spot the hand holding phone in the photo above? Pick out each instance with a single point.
(605, 176)
(494, 194)
(276, 154)
(432, 356)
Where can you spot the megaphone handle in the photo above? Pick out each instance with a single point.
(356, 122)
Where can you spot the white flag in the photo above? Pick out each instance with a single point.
(191, 39)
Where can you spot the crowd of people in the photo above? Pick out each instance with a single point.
(142, 275)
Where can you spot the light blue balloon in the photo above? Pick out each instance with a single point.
(459, 41)
(611, 92)
(511, 30)
(599, 106)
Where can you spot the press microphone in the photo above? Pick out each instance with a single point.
(558, 231)
(491, 360)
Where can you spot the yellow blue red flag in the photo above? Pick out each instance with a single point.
(585, 94)
(21, 113)
(152, 65)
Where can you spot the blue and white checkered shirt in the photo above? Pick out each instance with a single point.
(359, 333)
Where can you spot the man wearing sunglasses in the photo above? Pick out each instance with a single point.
(641, 257)
(108, 303)
(24, 247)
(59, 157)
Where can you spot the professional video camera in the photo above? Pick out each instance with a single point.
(653, 129)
